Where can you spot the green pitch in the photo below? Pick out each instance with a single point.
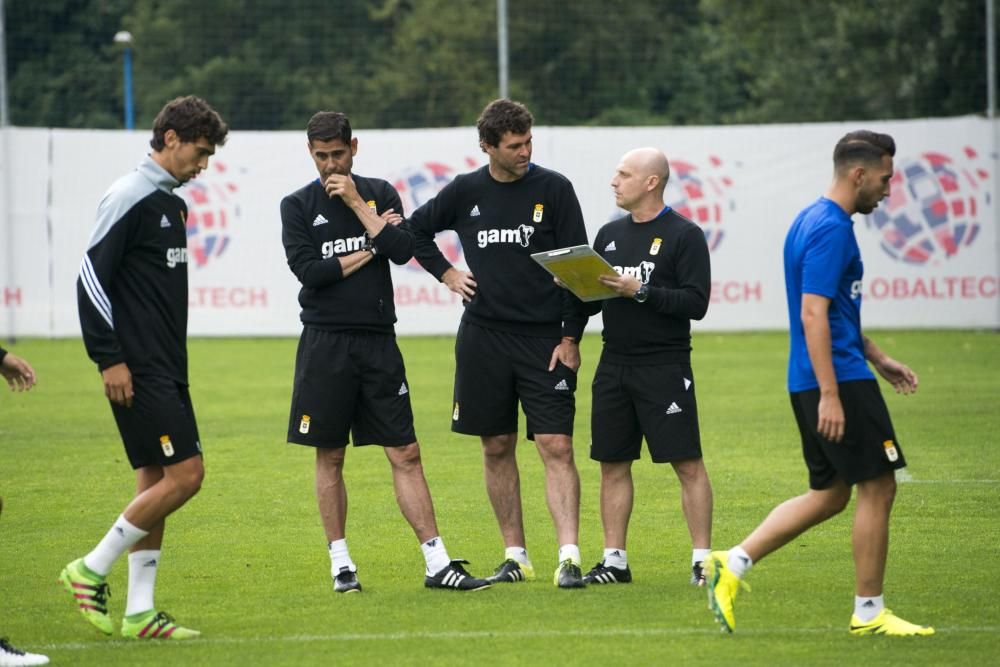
(245, 562)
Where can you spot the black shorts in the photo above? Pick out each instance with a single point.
(656, 401)
(349, 382)
(869, 448)
(495, 369)
(159, 428)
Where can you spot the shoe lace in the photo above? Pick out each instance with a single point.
(457, 567)
(7, 648)
(162, 619)
(101, 594)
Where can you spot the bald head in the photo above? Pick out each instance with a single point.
(640, 179)
(647, 162)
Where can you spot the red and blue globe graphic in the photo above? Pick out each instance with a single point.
(934, 208)
(419, 184)
(701, 195)
(213, 208)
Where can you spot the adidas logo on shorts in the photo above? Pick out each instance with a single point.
(562, 386)
(673, 409)
(403, 390)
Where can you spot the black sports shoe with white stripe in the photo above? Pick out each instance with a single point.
(603, 574)
(346, 581)
(454, 576)
(697, 574)
(510, 571)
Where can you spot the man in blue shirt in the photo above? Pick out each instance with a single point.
(847, 435)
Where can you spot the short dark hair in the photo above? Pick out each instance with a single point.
(191, 118)
(502, 116)
(329, 125)
(862, 146)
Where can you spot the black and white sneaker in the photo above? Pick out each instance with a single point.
(346, 581)
(605, 574)
(10, 655)
(455, 577)
(697, 575)
(568, 575)
(511, 571)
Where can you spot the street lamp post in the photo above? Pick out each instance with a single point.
(125, 38)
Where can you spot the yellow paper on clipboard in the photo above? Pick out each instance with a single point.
(578, 268)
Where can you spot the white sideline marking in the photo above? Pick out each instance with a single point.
(903, 476)
(481, 634)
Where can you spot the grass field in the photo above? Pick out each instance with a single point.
(245, 561)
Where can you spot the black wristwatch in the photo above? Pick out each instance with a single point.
(641, 294)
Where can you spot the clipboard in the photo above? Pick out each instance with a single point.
(578, 268)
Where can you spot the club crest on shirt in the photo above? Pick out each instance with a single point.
(654, 248)
(536, 217)
(891, 452)
(371, 205)
(304, 424)
(166, 445)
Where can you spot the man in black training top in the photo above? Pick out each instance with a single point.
(349, 373)
(133, 299)
(643, 386)
(519, 336)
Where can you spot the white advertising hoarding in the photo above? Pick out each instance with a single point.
(930, 251)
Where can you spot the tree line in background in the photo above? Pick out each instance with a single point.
(269, 64)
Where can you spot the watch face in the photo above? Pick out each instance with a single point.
(641, 293)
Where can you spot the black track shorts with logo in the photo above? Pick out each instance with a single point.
(160, 427)
(349, 382)
(869, 448)
(655, 401)
(496, 369)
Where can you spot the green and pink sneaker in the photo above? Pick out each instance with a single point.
(90, 593)
(154, 624)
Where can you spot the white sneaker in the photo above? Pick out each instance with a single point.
(14, 657)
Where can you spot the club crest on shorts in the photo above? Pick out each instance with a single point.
(891, 452)
(536, 217)
(304, 424)
(654, 248)
(454, 414)
(166, 445)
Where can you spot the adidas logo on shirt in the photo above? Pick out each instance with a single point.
(610, 247)
(673, 409)
(474, 213)
(164, 222)
(403, 390)
(562, 386)
(319, 220)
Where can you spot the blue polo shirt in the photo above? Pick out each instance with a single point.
(822, 257)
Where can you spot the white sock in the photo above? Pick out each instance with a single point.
(435, 555)
(118, 540)
(867, 609)
(520, 554)
(570, 552)
(339, 557)
(615, 558)
(739, 562)
(699, 555)
(142, 567)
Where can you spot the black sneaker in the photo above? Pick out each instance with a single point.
(346, 581)
(454, 576)
(10, 655)
(511, 571)
(568, 575)
(697, 575)
(605, 574)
